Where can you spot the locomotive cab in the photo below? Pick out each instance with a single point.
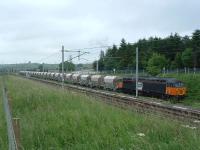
(175, 88)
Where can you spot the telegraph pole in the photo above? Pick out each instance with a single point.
(136, 74)
(62, 65)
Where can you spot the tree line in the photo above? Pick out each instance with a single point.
(155, 53)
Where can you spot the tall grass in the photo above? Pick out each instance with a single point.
(192, 82)
(56, 119)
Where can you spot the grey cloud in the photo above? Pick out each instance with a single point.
(31, 30)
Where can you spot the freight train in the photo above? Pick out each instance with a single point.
(150, 86)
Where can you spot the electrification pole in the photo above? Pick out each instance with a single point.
(42, 67)
(97, 66)
(136, 74)
(62, 65)
(79, 54)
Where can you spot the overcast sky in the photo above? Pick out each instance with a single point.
(34, 30)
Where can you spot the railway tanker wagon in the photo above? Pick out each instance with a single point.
(52, 76)
(111, 82)
(85, 80)
(96, 81)
(36, 74)
(45, 75)
(57, 76)
(41, 75)
(48, 75)
(68, 78)
(76, 78)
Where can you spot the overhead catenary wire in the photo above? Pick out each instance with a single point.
(49, 56)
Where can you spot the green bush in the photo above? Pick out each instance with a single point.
(156, 63)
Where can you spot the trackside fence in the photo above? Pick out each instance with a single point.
(11, 134)
(143, 72)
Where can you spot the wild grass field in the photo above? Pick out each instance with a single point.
(55, 119)
(192, 82)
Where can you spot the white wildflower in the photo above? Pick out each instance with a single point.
(141, 134)
(196, 121)
(187, 126)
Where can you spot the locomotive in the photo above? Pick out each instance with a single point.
(162, 87)
(150, 86)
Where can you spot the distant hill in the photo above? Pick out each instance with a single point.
(36, 66)
(83, 67)
(27, 66)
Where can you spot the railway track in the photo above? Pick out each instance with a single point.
(136, 104)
